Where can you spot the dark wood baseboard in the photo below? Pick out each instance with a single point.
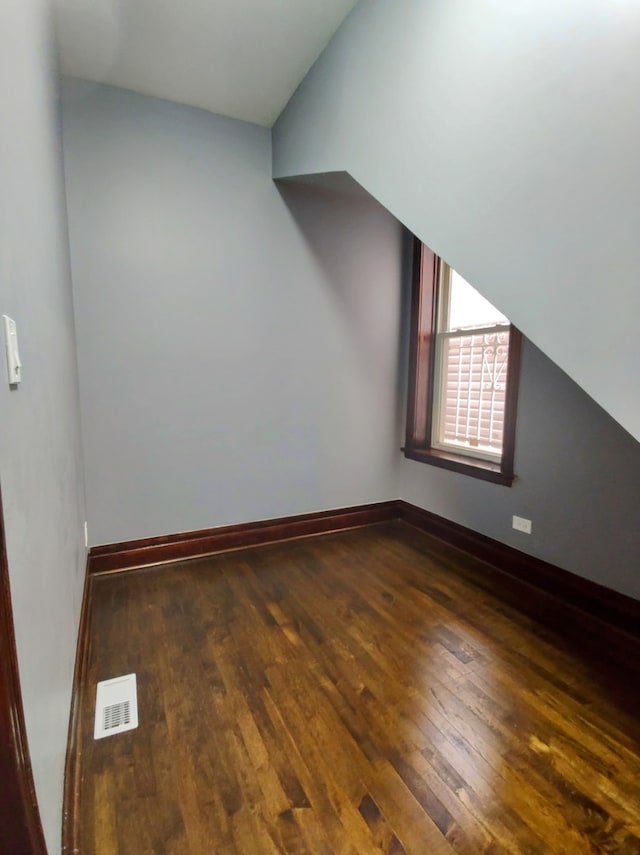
(177, 547)
(522, 574)
(74, 741)
(554, 596)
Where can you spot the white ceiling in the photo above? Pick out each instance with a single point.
(239, 58)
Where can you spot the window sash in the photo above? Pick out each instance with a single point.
(486, 369)
(443, 334)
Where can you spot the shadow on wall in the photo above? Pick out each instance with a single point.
(329, 212)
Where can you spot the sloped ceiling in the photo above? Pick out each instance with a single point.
(506, 136)
(239, 58)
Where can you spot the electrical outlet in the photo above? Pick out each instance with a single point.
(521, 524)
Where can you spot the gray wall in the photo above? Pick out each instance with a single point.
(577, 480)
(237, 342)
(506, 136)
(40, 471)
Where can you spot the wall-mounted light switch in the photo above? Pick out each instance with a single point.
(14, 366)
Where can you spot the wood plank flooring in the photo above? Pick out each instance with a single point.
(350, 693)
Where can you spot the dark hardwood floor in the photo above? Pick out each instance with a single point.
(351, 693)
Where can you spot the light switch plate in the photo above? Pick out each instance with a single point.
(14, 366)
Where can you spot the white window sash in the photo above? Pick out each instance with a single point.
(439, 396)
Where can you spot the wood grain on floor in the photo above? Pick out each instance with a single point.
(350, 693)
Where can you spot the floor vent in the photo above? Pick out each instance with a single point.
(116, 706)
(117, 714)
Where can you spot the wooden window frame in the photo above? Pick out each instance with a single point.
(420, 399)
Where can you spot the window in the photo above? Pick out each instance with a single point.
(463, 384)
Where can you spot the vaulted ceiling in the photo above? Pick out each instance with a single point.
(239, 58)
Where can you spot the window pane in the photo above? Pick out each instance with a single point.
(473, 391)
(468, 308)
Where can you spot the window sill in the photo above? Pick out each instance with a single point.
(483, 469)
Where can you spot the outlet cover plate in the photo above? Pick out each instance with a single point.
(522, 524)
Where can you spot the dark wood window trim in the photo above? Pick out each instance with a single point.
(424, 311)
(20, 826)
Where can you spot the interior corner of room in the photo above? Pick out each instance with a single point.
(213, 312)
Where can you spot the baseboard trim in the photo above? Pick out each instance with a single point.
(526, 574)
(74, 741)
(526, 579)
(179, 547)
